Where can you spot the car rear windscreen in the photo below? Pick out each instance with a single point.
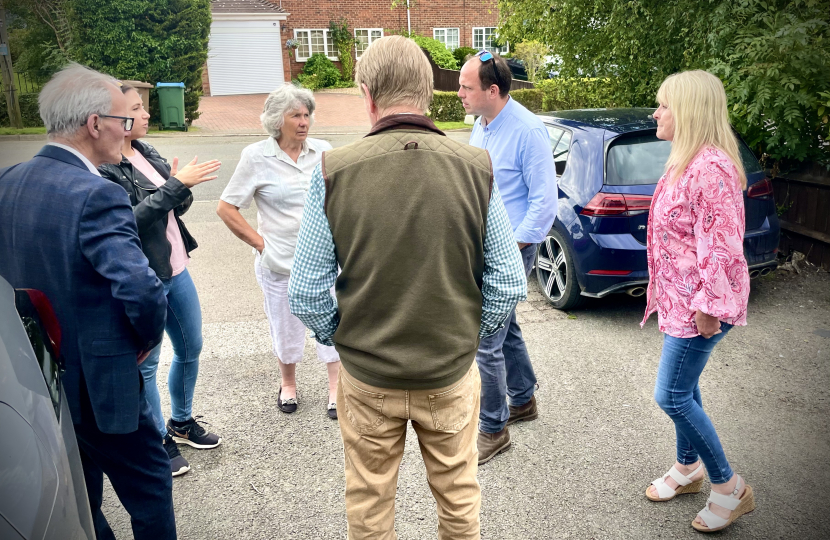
(636, 159)
(639, 159)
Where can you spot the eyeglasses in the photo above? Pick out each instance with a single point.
(484, 56)
(126, 121)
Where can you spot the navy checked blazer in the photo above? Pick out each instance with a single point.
(72, 235)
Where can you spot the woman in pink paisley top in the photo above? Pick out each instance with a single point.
(699, 282)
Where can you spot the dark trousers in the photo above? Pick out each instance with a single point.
(139, 471)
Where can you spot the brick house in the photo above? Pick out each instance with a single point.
(245, 34)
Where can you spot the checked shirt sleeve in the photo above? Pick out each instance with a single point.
(315, 267)
(504, 280)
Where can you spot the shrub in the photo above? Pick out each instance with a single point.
(446, 107)
(145, 41)
(531, 98)
(578, 93)
(344, 42)
(462, 53)
(442, 56)
(320, 66)
(28, 110)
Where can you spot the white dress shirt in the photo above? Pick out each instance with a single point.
(80, 156)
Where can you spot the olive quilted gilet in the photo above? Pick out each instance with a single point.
(407, 208)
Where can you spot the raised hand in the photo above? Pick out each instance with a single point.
(195, 173)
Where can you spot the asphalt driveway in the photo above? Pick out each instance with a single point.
(579, 471)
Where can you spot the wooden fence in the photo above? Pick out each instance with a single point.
(803, 199)
(446, 80)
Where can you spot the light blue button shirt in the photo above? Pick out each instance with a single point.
(523, 168)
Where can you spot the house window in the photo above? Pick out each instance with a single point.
(447, 36)
(365, 37)
(314, 41)
(483, 40)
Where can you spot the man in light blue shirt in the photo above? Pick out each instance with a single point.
(523, 167)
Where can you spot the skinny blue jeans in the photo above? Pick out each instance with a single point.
(678, 394)
(184, 328)
(505, 368)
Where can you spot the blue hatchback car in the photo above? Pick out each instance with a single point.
(608, 162)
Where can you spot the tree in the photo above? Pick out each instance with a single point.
(773, 56)
(532, 54)
(148, 40)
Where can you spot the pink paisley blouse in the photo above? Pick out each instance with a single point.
(695, 247)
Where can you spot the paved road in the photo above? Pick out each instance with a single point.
(579, 471)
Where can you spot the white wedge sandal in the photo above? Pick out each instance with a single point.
(686, 485)
(737, 507)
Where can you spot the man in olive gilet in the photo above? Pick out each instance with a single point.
(428, 267)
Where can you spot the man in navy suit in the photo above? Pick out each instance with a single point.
(66, 231)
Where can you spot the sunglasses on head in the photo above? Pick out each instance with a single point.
(484, 56)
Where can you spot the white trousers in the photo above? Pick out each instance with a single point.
(287, 331)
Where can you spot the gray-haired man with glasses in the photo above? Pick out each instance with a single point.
(71, 234)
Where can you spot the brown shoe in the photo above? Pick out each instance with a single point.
(490, 444)
(528, 411)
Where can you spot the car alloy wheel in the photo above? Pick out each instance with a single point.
(552, 269)
(556, 273)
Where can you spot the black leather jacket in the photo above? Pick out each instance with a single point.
(152, 205)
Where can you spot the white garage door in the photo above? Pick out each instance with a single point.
(244, 57)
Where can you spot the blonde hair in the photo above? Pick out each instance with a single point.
(396, 72)
(697, 102)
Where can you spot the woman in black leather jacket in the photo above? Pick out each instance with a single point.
(160, 195)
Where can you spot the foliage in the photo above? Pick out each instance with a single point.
(146, 40)
(578, 93)
(446, 107)
(39, 36)
(775, 60)
(532, 54)
(461, 54)
(531, 98)
(28, 110)
(319, 72)
(442, 56)
(774, 56)
(344, 42)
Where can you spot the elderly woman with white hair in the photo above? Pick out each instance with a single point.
(276, 173)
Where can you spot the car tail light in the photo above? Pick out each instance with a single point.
(47, 316)
(617, 204)
(760, 190)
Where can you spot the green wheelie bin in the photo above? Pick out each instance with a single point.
(171, 105)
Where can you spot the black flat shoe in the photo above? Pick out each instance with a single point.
(332, 411)
(286, 405)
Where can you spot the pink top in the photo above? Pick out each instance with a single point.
(695, 247)
(178, 253)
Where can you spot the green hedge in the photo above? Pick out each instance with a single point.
(531, 98)
(461, 54)
(588, 93)
(28, 110)
(441, 55)
(446, 107)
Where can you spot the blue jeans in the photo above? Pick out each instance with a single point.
(184, 328)
(505, 369)
(678, 394)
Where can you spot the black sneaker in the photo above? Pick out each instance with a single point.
(178, 465)
(190, 432)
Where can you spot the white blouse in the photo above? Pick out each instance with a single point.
(278, 185)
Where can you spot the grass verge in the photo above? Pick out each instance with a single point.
(444, 126)
(24, 131)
